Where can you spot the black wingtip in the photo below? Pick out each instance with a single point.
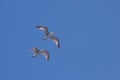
(58, 46)
(48, 58)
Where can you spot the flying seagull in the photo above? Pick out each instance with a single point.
(40, 51)
(49, 35)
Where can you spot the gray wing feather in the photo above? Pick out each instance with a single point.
(44, 29)
(45, 53)
(56, 40)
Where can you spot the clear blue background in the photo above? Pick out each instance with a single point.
(89, 33)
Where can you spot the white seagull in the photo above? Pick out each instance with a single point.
(49, 35)
(37, 51)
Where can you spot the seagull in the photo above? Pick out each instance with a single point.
(37, 51)
(49, 35)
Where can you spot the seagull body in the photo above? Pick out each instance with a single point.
(40, 51)
(49, 35)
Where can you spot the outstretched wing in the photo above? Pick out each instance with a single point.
(56, 40)
(44, 29)
(45, 53)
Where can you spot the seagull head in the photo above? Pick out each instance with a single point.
(35, 49)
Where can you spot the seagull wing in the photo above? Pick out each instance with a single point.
(44, 29)
(45, 53)
(56, 40)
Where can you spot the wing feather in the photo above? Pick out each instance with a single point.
(44, 29)
(45, 53)
(56, 40)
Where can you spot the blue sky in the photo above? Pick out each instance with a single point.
(88, 30)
